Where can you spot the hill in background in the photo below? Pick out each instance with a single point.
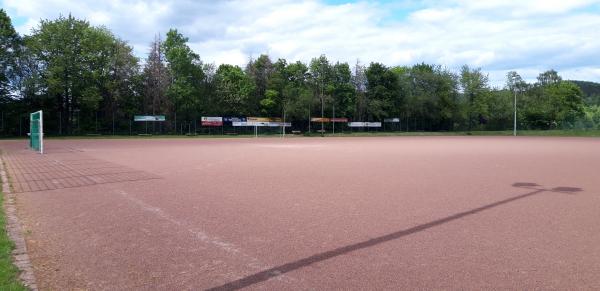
(591, 91)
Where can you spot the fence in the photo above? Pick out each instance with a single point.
(17, 125)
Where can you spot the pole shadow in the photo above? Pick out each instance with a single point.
(307, 261)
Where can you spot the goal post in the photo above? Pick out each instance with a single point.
(36, 131)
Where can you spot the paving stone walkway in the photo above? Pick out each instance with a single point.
(29, 171)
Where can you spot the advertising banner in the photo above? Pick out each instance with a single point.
(373, 124)
(364, 124)
(234, 119)
(356, 124)
(212, 121)
(263, 119)
(260, 123)
(149, 118)
(327, 119)
(396, 119)
(339, 119)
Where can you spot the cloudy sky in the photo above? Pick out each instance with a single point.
(528, 36)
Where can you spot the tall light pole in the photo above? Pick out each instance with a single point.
(333, 121)
(515, 118)
(322, 109)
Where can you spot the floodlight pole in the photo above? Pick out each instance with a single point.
(515, 117)
(333, 123)
(283, 130)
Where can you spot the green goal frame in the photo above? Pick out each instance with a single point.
(36, 131)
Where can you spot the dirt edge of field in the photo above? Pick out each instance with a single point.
(14, 229)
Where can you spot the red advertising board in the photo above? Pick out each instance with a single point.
(339, 119)
(212, 121)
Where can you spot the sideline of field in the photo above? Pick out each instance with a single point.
(557, 133)
(9, 274)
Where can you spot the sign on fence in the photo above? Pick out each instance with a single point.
(339, 119)
(364, 124)
(327, 119)
(261, 123)
(396, 119)
(263, 119)
(212, 121)
(149, 118)
(234, 119)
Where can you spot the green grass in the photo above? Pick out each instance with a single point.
(558, 133)
(8, 272)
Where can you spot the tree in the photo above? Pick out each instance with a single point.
(548, 77)
(359, 81)
(517, 86)
(474, 84)
(156, 80)
(430, 97)
(320, 73)
(10, 44)
(75, 66)
(297, 94)
(343, 96)
(233, 90)
(552, 103)
(259, 71)
(187, 75)
(382, 90)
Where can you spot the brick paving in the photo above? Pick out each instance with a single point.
(61, 168)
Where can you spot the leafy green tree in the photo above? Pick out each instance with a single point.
(320, 78)
(233, 90)
(516, 86)
(297, 91)
(359, 81)
(431, 97)
(185, 67)
(10, 46)
(320, 72)
(76, 66)
(382, 90)
(548, 77)
(552, 103)
(274, 101)
(343, 95)
(475, 87)
(567, 103)
(259, 71)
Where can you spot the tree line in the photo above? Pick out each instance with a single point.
(84, 76)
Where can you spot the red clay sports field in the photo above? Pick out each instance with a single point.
(462, 213)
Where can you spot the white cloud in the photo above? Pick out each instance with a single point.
(497, 35)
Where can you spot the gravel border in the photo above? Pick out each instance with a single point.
(15, 233)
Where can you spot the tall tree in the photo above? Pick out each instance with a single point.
(233, 89)
(515, 85)
(75, 60)
(548, 77)
(475, 87)
(259, 71)
(343, 95)
(321, 77)
(10, 43)
(297, 93)
(186, 74)
(156, 80)
(382, 90)
(431, 97)
(359, 80)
